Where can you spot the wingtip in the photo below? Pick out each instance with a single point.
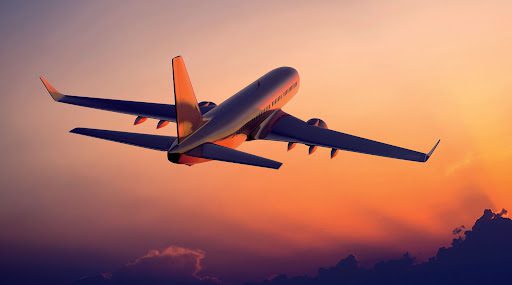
(429, 154)
(56, 95)
(75, 130)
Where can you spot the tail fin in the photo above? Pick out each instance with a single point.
(188, 115)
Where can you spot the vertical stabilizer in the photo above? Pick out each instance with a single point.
(188, 115)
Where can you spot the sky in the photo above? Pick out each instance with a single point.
(402, 72)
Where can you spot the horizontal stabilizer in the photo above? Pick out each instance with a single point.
(221, 153)
(162, 143)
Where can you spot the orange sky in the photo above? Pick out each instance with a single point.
(401, 72)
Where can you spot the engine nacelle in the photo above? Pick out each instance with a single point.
(317, 123)
(207, 104)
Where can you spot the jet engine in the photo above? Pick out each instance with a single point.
(312, 148)
(163, 123)
(207, 104)
(317, 123)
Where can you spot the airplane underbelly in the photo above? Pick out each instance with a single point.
(232, 141)
(191, 160)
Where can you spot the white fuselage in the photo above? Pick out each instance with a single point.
(230, 123)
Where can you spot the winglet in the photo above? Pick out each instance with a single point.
(56, 95)
(432, 150)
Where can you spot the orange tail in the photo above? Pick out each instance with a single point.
(188, 115)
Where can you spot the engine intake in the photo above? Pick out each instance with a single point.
(207, 104)
(317, 123)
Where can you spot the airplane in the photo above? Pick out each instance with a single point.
(207, 131)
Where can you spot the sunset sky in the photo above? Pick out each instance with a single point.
(402, 72)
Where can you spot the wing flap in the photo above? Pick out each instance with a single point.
(291, 129)
(155, 142)
(221, 153)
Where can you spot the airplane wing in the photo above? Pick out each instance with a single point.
(288, 128)
(157, 111)
(162, 143)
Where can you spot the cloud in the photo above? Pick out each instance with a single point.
(481, 256)
(460, 164)
(173, 265)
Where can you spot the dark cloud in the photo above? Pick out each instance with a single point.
(483, 255)
(172, 265)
